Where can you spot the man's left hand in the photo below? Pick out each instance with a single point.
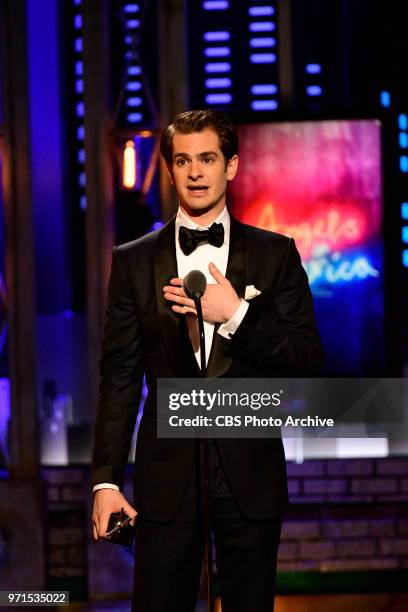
(219, 302)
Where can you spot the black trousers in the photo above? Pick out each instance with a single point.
(168, 557)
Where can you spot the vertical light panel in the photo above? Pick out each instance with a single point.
(262, 50)
(133, 81)
(79, 101)
(217, 54)
(403, 164)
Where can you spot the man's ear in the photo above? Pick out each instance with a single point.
(232, 167)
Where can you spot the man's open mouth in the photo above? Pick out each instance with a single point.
(197, 187)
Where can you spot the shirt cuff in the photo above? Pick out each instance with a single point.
(105, 485)
(228, 329)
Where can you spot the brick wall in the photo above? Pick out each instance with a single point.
(67, 493)
(344, 515)
(21, 535)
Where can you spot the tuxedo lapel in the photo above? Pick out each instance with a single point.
(178, 346)
(236, 273)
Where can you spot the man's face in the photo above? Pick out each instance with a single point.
(199, 172)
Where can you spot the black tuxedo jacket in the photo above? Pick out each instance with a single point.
(142, 335)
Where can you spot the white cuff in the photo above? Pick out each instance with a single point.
(105, 485)
(228, 329)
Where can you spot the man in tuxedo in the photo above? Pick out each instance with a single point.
(151, 329)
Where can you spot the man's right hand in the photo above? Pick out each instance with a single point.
(107, 501)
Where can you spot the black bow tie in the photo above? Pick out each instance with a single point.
(190, 239)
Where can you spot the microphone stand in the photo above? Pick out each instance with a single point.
(203, 361)
(206, 464)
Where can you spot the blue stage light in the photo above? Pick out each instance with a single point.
(157, 225)
(405, 257)
(262, 58)
(82, 202)
(262, 26)
(218, 67)
(132, 24)
(134, 101)
(261, 11)
(79, 68)
(134, 86)
(78, 45)
(262, 42)
(261, 105)
(313, 68)
(385, 99)
(78, 22)
(79, 86)
(215, 5)
(216, 36)
(404, 163)
(134, 117)
(266, 88)
(218, 98)
(131, 8)
(217, 51)
(314, 90)
(134, 70)
(405, 234)
(404, 210)
(403, 140)
(403, 122)
(80, 109)
(218, 83)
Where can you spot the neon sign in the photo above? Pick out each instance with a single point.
(316, 238)
(336, 268)
(334, 227)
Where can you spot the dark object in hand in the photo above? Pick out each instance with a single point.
(120, 531)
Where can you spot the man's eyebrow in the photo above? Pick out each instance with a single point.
(206, 153)
(203, 154)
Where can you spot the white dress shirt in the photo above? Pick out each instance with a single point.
(199, 260)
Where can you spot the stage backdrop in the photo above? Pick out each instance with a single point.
(320, 182)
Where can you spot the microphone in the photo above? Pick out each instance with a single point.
(194, 284)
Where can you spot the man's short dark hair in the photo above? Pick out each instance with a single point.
(198, 121)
